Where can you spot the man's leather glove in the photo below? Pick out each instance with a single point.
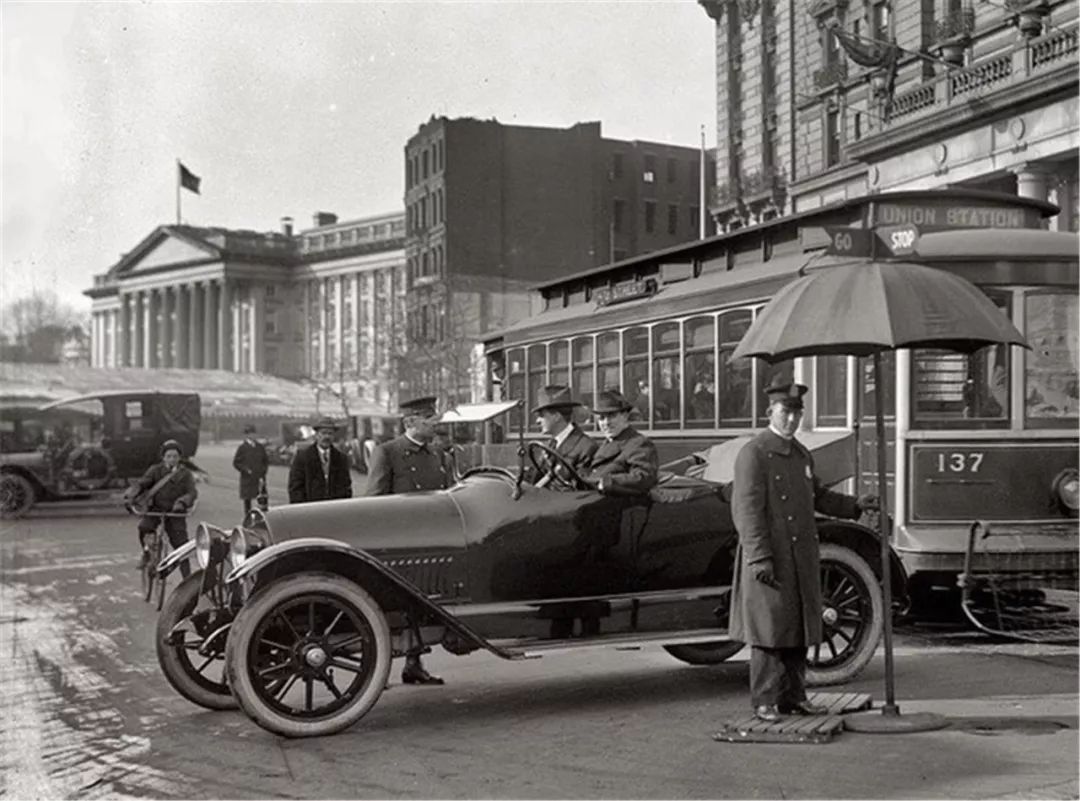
(867, 502)
(763, 573)
(179, 506)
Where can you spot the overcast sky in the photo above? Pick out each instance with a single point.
(285, 109)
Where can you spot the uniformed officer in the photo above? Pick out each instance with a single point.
(412, 463)
(776, 597)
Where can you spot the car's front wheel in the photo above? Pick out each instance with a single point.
(852, 617)
(308, 655)
(16, 495)
(194, 671)
(705, 653)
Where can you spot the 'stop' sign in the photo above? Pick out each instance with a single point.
(928, 215)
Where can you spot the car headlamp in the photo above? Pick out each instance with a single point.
(237, 547)
(202, 545)
(210, 544)
(1067, 490)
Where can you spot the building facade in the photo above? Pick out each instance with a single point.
(324, 304)
(834, 99)
(493, 209)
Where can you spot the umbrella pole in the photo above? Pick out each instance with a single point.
(888, 720)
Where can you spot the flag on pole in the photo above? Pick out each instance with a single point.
(188, 179)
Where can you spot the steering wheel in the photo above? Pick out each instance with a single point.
(552, 460)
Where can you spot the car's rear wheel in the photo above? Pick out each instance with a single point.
(852, 617)
(705, 653)
(308, 655)
(198, 677)
(16, 495)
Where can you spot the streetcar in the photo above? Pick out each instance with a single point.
(990, 436)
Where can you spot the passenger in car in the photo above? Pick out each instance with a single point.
(555, 414)
(412, 463)
(626, 463)
(776, 602)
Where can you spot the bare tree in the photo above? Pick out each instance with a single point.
(37, 325)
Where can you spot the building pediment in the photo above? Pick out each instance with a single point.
(164, 248)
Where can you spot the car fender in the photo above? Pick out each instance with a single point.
(353, 563)
(173, 559)
(867, 543)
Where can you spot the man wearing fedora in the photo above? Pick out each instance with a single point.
(554, 413)
(412, 462)
(251, 462)
(320, 472)
(776, 596)
(626, 462)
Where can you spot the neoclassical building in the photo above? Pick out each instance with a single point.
(325, 304)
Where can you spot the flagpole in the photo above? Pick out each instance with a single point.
(178, 191)
(703, 212)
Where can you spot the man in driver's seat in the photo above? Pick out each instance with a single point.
(555, 414)
(626, 462)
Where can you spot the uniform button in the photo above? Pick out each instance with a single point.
(794, 539)
(413, 468)
(783, 497)
(778, 478)
(789, 517)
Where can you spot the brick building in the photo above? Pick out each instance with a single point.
(837, 98)
(492, 209)
(325, 304)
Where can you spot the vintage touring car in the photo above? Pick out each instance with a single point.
(296, 615)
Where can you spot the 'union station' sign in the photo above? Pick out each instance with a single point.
(951, 215)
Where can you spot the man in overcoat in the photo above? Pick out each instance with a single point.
(555, 414)
(776, 598)
(168, 486)
(412, 462)
(320, 472)
(626, 462)
(251, 462)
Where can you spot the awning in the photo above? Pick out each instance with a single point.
(477, 412)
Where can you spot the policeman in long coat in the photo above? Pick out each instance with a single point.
(412, 463)
(776, 598)
(554, 412)
(251, 461)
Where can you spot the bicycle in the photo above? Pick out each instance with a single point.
(154, 549)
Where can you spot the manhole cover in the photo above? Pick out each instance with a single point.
(1007, 725)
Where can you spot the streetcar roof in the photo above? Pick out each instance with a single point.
(972, 244)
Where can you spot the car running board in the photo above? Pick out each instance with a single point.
(516, 649)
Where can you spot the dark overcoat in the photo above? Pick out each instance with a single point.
(402, 465)
(306, 482)
(628, 464)
(179, 487)
(578, 449)
(774, 496)
(251, 462)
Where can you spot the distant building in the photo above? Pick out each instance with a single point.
(493, 209)
(835, 99)
(324, 304)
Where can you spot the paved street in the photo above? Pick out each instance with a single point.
(87, 714)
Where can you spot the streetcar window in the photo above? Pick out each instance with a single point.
(960, 390)
(735, 377)
(830, 390)
(515, 380)
(1051, 372)
(700, 373)
(537, 360)
(607, 368)
(870, 388)
(666, 380)
(582, 374)
(636, 370)
(560, 363)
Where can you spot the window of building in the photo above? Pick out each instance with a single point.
(880, 18)
(347, 236)
(650, 216)
(271, 289)
(672, 219)
(649, 173)
(857, 126)
(424, 161)
(617, 166)
(694, 219)
(672, 170)
(439, 153)
(832, 137)
(618, 210)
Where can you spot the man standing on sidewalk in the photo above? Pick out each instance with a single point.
(412, 463)
(251, 462)
(776, 595)
(320, 472)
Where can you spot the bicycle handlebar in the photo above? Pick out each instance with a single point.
(135, 510)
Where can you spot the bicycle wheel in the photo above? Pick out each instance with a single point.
(149, 570)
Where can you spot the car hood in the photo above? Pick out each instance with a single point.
(388, 522)
(32, 459)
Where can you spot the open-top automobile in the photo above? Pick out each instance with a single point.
(296, 615)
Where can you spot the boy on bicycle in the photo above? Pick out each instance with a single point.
(167, 486)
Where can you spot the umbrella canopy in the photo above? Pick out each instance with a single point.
(861, 308)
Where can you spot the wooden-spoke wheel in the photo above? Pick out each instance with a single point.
(16, 495)
(852, 617)
(194, 671)
(308, 655)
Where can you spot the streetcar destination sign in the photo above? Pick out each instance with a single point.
(632, 290)
(928, 215)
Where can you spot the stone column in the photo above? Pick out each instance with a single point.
(194, 323)
(305, 326)
(239, 309)
(149, 328)
(1064, 195)
(168, 305)
(1032, 181)
(224, 312)
(257, 332)
(356, 323)
(138, 338)
(180, 325)
(124, 343)
(339, 317)
(211, 301)
(321, 300)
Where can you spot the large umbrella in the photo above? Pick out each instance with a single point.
(862, 309)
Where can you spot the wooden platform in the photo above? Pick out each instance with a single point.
(797, 728)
